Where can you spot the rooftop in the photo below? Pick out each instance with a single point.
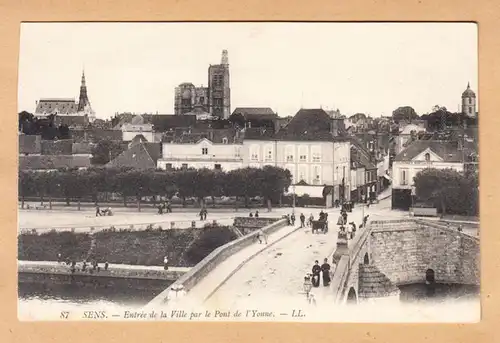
(448, 151)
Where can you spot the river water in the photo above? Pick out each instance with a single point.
(37, 302)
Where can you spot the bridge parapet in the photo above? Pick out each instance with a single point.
(216, 257)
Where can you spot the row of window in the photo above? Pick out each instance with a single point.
(302, 173)
(237, 151)
(289, 154)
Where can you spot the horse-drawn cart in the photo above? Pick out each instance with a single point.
(319, 225)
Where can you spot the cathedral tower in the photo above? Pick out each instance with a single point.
(219, 88)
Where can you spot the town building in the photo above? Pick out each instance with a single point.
(310, 147)
(256, 117)
(406, 135)
(215, 99)
(469, 102)
(36, 154)
(358, 178)
(214, 149)
(367, 186)
(422, 154)
(138, 126)
(68, 111)
(140, 155)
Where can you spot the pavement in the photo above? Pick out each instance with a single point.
(226, 269)
(111, 266)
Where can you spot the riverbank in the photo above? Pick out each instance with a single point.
(184, 247)
(114, 270)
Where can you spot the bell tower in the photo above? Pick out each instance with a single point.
(219, 88)
(469, 102)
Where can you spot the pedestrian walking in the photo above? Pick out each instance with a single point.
(311, 219)
(165, 263)
(106, 265)
(256, 214)
(292, 218)
(316, 270)
(251, 215)
(365, 219)
(325, 271)
(261, 236)
(302, 220)
(97, 211)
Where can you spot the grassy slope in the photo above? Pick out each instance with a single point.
(139, 248)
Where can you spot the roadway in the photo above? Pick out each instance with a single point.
(275, 276)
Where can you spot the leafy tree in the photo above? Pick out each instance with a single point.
(80, 187)
(104, 151)
(404, 113)
(47, 184)
(184, 181)
(245, 182)
(449, 190)
(219, 179)
(203, 184)
(26, 185)
(274, 182)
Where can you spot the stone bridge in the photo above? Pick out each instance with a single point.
(396, 252)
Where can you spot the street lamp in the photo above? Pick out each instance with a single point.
(307, 285)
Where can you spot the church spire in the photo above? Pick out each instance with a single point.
(83, 78)
(83, 101)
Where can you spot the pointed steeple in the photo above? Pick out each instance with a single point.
(468, 85)
(83, 78)
(83, 101)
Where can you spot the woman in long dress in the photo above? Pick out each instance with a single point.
(316, 270)
(325, 271)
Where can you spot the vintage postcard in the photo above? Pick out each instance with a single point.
(304, 172)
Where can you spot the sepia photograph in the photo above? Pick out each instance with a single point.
(248, 171)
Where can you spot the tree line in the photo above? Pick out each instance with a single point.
(449, 191)
(71, 184)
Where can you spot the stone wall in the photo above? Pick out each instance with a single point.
(209, 263)
(404, 249)
(95, 281)
(249, 224)
(113, 272)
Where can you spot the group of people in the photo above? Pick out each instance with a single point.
(86, 266)
(321, 272)
(203, 214)
(350, 228)
(256, 215)
(165, 207)
(104, 212)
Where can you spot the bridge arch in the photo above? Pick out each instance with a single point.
(352, 297)
(430, 276)
(366, 259)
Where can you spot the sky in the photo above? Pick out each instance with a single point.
(371, 68)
